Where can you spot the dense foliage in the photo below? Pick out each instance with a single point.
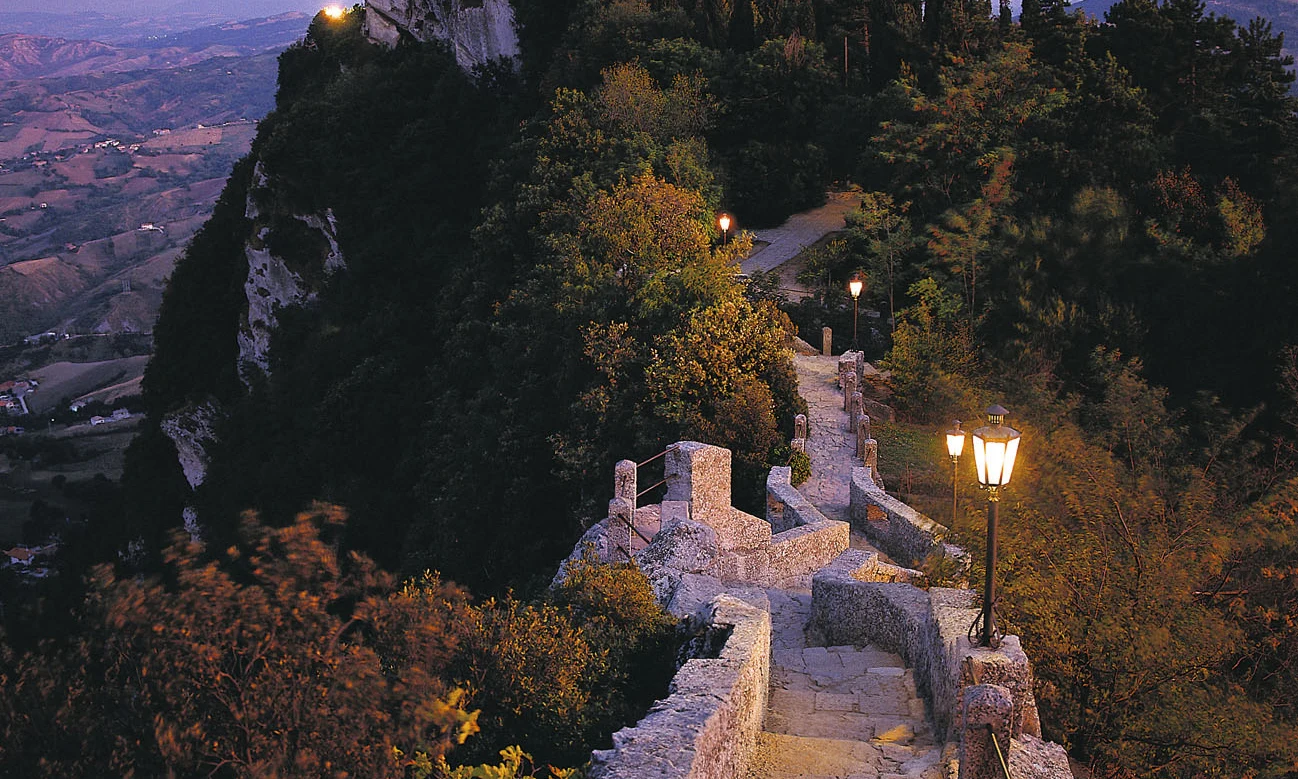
(279, 656)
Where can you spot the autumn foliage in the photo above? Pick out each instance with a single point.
(278, 657)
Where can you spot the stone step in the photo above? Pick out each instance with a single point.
(783, 756)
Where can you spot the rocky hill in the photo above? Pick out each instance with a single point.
(109, 162)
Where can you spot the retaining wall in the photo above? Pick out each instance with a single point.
(858, 600)
(708, 726)
(900, 531)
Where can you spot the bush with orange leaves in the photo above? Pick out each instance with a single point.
(278, 657)
(273, 658)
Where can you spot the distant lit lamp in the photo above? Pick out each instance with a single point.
(334, 11)
(724, 222)
(854, 286)
(995, 447)
(954, 447)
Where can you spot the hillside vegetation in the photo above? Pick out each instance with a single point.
(1088, 223)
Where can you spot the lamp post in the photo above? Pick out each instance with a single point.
(723, 222)
(954, 447)
(854, 286)
(995, 447)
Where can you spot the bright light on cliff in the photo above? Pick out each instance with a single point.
(334, 11)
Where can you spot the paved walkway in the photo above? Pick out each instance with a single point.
(837, 712)
(800, 231)
(787, 241)
(830, 443)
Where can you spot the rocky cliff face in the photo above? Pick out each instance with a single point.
(478, 31)
(271, 284)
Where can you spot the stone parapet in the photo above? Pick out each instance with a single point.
(708, 725)
(899, 530)
(858, 600)
(786, 507)
(805, 549)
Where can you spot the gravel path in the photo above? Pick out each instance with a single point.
(838, 712)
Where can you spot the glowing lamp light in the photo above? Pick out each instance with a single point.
(955, 441)
(856, 285)
(334, 11)
(724, 222)
(995, 447)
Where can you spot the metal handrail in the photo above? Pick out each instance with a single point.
(647, 490)
(655, 457)
(999, 754)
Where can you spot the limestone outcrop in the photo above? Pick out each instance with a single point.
(478, 31)
(192, 429)
(271, 284)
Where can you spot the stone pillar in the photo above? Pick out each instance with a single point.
(800, 426)
(700, 474)
(854, 411)
(846, 365)
(620, 513)
(870, 455)
(849, 388)
(624, 480)
(826, 341)
(860, 369)
(985, 709)
(862, 434)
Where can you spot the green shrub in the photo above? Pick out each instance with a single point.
(800, 463)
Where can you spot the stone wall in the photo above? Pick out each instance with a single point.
(786, 508)
(856, 600)
(707, 727)
(898, 530)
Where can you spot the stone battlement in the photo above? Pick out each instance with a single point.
(711, 563)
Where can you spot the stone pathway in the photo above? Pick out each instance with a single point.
(836, 712)
(800, 231)
(831, 445)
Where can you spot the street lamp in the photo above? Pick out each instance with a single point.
(954, 447)
(854, 286)
(724, 222)
(995, 447)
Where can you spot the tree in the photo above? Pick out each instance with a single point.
(884, 229)
(256, 662)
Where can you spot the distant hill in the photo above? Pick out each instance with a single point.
(1283, 14)
(26, 56)
(105, 176)
(127, 22)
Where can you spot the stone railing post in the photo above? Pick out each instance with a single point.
(826, 341)
(800, 426)
(862, 434)
(870, 456)
(849, 388)
(985, 709)
(620, 514)
(624, 480)
(846, 365)
(855, 410)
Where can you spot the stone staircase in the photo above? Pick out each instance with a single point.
(838, 712)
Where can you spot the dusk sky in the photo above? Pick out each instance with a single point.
(241, 9)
